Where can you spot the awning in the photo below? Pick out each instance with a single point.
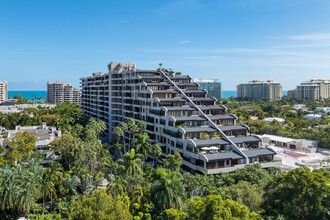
(214, 148)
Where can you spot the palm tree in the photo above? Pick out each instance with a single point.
(168, 191)
(117, 186)
(140, 199)
(131, 127)
(142, 145)
(123, 127)
(119, 147)
(30, 189)
(56, 177)
(131, 162)
(71, 183)
(134, 129)
(20, 186)
(48, 187)
(110, 165)
(142, 126)
(118, 133)
(155, 151)
(8, 188)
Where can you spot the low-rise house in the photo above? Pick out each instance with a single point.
(297, 144)
(45, 135)
(13, 108)
(316, 117)
(325, 110)
(271, 119)
(319, 127)
(299, 106)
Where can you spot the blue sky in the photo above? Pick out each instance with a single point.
(234, 41)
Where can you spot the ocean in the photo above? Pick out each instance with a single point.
(43, 94)
(27, 94)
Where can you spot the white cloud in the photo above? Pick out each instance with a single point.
(310, 37)
(184, 42)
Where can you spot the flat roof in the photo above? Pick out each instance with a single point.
(245, 139)
(259, 152)
(277, 138)
(232, 127)
(181, 77)
(223, 156)
(202, 99)
(210, 129)
(226, 116)
(200, 129)
(186, 84)
(164, 91)
(208, 142)
(158, 84)
(176, 108)
(41, 134)
(204, 107)
(190, 118)
(152, 77)
(179, 99)
(211, 107)
(146, 71)
(195, 91)
(200, 118)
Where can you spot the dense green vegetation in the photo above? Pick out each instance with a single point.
(21, 100)
(140, 188)
(62, 116)
(296, 126)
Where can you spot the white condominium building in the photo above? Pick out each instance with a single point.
(314, 89)
(259, 89)
(3, 91)
(180, 117)
(59, 92)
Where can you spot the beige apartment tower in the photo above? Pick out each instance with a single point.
(59, 92)
(259, 89)
(314, 89)
(3, 91)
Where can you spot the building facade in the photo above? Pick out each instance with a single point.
(212, 86)
(314, 89)
(259, 89)
(291, 94)
(3, 91)
(59, 92)
(180, 117)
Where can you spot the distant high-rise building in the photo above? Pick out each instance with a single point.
(58, 92)
(259, 89)
(314, 89)
(291, 94)
(3, 91)
(213, 86)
